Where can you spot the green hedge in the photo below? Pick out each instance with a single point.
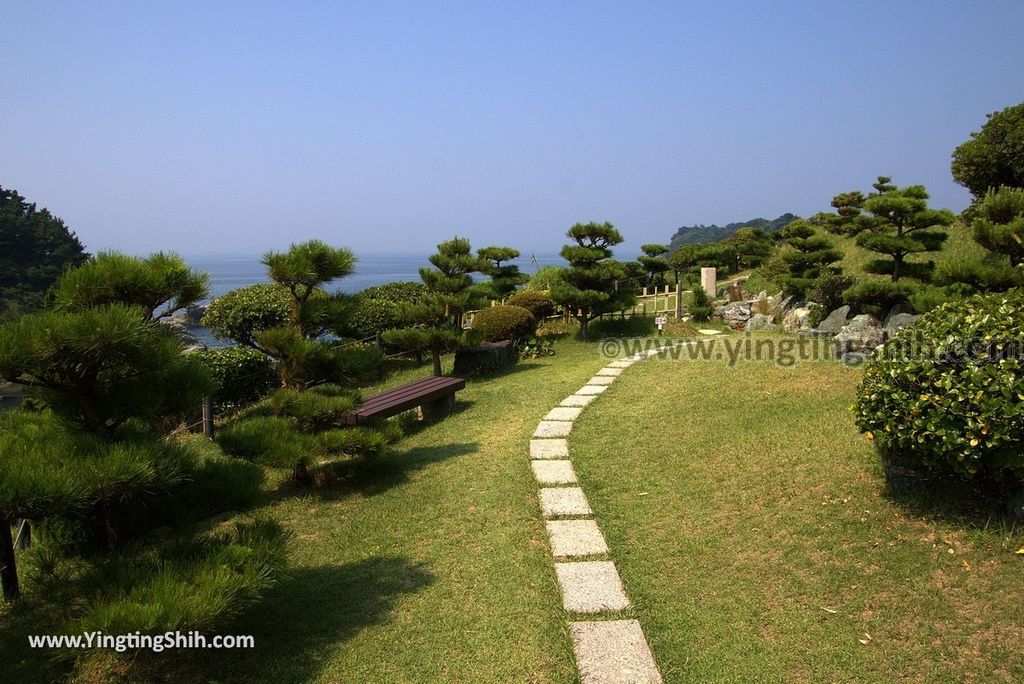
(536, 302)
(243, 375)
(504, 323)
(381, 308)
(948, 391)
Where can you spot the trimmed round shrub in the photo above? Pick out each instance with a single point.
(380, 308)
(504, 322)
(536, 302)
(947, 392)
(243, 375)
(240, 314)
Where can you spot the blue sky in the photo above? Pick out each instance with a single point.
(238, 127)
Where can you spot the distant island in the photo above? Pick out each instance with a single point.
(702, 235)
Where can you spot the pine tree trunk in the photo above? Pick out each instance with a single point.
(436, 358)
(8, 569)
(300, 473)
(584, 325)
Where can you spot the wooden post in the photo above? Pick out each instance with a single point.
(679, 300)
(23, 539)
(208, 416)
(8, 569)
(379, 343)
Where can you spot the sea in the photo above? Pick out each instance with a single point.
(231, 271)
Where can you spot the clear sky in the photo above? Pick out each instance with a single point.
(238, 127)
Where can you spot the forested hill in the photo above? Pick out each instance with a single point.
(702, 235)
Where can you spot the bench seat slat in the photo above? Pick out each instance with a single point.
(412, 389)
(403, 398)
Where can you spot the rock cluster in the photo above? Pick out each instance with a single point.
(859, 335)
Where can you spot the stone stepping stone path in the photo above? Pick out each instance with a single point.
(608, 649)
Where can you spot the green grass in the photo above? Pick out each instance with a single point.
(741, 506)
(429, 564)
(753, 532)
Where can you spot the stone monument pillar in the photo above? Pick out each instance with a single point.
(709, 280)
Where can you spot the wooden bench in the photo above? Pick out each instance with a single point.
(435, 395)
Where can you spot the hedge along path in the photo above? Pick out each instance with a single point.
(607, 650)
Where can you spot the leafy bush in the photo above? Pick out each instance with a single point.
(948, 391)
(535, 301)
(700, 305)
(504, 322)
(382, 308)
(534, 347)
(242, 374)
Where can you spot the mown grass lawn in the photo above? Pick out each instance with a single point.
(753, 532)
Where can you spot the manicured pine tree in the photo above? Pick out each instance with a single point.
(113, 382)
(654, 262)
(594, 283)
(813, 253)
(305, 427)
(304, 360)
(438, 315)
(999, 226)
(160, 284)
(897, 222)
(505, 278)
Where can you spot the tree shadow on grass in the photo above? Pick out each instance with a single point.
(484, 376)
(372, 476)
(301, 621)
(20, 662)
(923, 494)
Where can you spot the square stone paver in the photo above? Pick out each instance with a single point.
(591, 587)
(621, 363)
(563, 413)
(552, 428)
(549, 448)
(558, 501)
(578, 400)
(601, 380)
(554, 472)
(575, 538)
(591, 389)
(613, 652)
(610, 371)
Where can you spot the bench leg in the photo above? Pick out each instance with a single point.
(439, 408)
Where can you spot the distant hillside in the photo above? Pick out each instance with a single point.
(702, 235)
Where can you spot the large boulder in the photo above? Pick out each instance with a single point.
(487, 358)
(862, 334)
(735, 315)
(759, 322)
(834, 322)
(779, 305)
(797, 319)
(895, 322)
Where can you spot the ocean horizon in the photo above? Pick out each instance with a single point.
(231, 271)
